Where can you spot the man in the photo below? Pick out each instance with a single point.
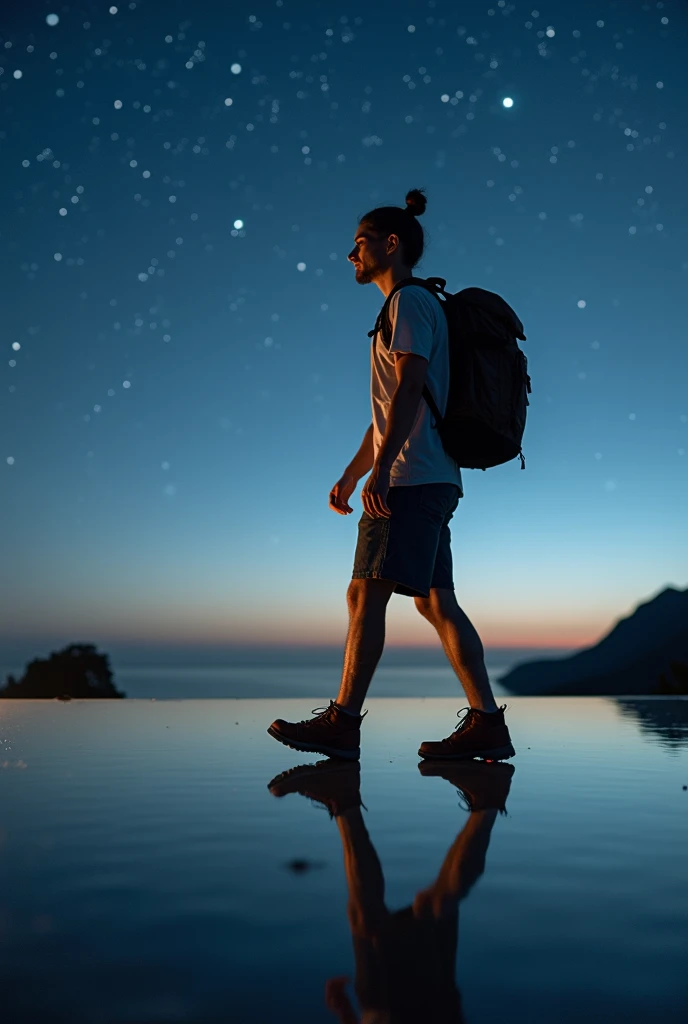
(411, 494)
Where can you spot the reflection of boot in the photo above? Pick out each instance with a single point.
(484, 786)
(336, 784)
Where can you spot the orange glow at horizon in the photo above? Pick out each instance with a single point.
(204, 622)
(399, 637)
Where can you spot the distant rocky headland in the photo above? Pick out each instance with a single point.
(76, 671)
(645, 653)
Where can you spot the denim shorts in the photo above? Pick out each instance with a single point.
(412, 546)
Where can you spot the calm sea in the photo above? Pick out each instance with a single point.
(161, 867)
(289, 671)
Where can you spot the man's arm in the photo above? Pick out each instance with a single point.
(363, 460)
(361, 464)
(410, 370)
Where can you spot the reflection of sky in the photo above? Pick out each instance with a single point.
(147, 854)
(179, 397)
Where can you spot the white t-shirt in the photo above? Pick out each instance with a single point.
(419, 325)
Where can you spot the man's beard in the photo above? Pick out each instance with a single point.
(364, 275)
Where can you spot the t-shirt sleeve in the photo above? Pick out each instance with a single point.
(413, 322)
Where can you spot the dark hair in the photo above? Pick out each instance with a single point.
(401, 221)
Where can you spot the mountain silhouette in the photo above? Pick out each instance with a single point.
(649, 643)
(75, 671)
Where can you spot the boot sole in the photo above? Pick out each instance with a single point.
(304, 773)
(344, 755)
(496, 754)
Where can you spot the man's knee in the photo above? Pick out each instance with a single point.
(369, 591)
(440, 604)
(424, 606)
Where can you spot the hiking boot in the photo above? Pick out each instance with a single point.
(332, 732)
(478, 734)
(335, 784)
(483, 786)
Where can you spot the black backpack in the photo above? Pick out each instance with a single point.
(488, 375)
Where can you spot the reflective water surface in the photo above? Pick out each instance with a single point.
(158, 866)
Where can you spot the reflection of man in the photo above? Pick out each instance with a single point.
(405, 960)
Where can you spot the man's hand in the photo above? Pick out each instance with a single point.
(374, 493)
(340, 494)
(338, 1001)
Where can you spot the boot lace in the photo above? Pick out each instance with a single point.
(464, 723)
(467, 720)
(327, 716)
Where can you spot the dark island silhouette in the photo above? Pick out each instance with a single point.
(644, 654)
(76, 671)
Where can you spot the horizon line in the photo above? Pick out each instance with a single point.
(201, 645)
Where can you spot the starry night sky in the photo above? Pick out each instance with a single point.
(185, 367)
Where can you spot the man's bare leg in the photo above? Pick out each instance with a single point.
(367, 600)
(335, 732)
(461, 644)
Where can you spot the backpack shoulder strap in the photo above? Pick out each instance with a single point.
(383, 324)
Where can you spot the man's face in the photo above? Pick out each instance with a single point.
(369, 255)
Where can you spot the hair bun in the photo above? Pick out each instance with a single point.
(416, 202)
